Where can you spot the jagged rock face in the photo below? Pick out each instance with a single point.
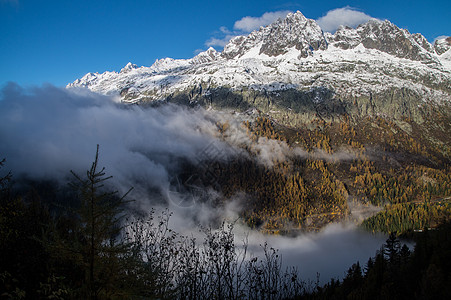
(386, 37)
(442, 45)
(392, 40)
(276, 39)
(128, 67)
(421, 40)
(205, 57)
(283, 70)
(87, 81)
(345, 38)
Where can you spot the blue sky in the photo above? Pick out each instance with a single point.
(57, 41)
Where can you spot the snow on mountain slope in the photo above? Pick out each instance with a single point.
(295, 53)
(442, 45)
(273, 40)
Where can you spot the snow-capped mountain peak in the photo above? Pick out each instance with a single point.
(386, 37)
(206, 56)
(277, 38)
(442, 45)
(128, 67)
(294, 53)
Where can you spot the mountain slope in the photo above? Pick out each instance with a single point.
(363, 114)
(295, 73)
(293, 52)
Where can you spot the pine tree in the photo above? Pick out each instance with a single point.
(92, 240)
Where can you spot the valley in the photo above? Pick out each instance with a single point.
(323, 144)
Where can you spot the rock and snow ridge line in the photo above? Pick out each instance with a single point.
(295, 53)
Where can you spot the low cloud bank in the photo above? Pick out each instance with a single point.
(328, 253)
(48, 131)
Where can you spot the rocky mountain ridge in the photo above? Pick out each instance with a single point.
(293, 71)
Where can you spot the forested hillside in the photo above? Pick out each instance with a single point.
(397, 272)
(343, 164)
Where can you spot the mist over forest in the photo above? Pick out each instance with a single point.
(51, 134)
(51, 131)
(288, 156)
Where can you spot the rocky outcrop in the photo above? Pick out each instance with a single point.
(386, 37)
(442, 45)
(276, 39)
(295, 73)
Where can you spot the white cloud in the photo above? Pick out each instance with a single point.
(440, 37)
(346, 16)
(225, 30)
(221, 42)
(247, 24)
(48, 131)
(244, 26)
(329, 252)
(221, 38)
(197, 51)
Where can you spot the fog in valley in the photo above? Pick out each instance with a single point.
(48, 131)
